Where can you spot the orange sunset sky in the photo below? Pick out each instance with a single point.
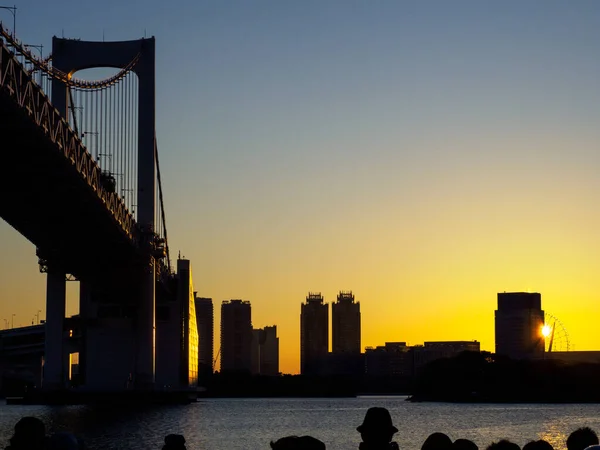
(425, 156)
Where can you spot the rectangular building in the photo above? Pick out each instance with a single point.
(205, 320)
(265, 351)
(345, 324)
(390, 360)
(176, 335)
(269, 352)
(519, 320)
(314, 334)
(236, 336)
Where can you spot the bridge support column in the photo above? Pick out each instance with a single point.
(85, 314)
(85, 300)
(54, 359)
(146, 331)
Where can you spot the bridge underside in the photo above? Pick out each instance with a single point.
(56, 210)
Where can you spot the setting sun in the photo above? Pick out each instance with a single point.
(546, 330)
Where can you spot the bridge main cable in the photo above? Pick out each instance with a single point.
(44, 66)
(162, 205)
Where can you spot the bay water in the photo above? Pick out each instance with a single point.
(236, 424)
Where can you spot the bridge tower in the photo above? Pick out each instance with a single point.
(70, 56)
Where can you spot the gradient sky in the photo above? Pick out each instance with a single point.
(423, 154)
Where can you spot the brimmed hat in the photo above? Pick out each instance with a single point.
(377, 419)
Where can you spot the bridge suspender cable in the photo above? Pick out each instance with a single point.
(162, 203)
(73, 111)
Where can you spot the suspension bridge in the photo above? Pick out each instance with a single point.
(90, 199)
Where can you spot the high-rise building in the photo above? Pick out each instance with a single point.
(345, 324)
(519, 320)
(265, 351)
(314, 334)
(236, 335)
(269, 352)
(205, 321)
(176, 336)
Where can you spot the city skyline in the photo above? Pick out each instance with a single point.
(425, 156)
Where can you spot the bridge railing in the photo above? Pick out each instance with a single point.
(17, 84)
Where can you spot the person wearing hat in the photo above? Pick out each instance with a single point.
(377, 430)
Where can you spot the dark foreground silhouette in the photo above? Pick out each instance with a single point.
(376, 432)
(484, 377)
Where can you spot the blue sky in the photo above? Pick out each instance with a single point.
(333, 145)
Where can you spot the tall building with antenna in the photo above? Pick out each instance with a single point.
(314, 334)
(345, 324)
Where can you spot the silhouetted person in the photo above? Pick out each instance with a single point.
(582, 438)
(538, 445)
(504, 444)
(298, 443)
(174, 442)
(64, 441)
(377, 430)
(464, 444)
(437, 441)
(30, 434)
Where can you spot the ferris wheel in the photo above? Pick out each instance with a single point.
(555, 334)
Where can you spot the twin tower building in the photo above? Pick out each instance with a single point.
(245, 349)
(315, 358)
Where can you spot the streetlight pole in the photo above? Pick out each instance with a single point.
(13, 10)
(13, 321)
(38, 315)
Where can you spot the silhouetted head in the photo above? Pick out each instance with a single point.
(538, 445)
(30, 433)
(582, 438)
(437, 441)
(593, 447)
(503, 445)
(63, 441)
(464, 444)
(377, 426)
(174, 442)
(298, 443)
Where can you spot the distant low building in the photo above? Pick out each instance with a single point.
(396, 359)
(430, 351)
(389, 360)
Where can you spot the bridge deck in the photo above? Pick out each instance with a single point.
(47, 201)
